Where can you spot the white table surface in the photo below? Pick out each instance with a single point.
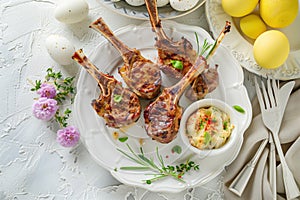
(32, 164)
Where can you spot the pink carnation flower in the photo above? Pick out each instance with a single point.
(47, 90)
(68, 136)
(44, 108)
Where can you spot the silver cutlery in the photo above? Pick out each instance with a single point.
(283, 93)
(272, 166)
(240, 182)
(271, 105)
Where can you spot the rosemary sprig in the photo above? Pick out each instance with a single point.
(205, 47)
(197, 41)
(161, 170)
(212, 47)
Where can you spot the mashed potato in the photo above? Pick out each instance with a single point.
(208, 128)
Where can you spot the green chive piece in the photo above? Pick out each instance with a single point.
(239, 108)
(201, 125)
(177, 64)
(123, 139)
(225, 125)
(117, 98)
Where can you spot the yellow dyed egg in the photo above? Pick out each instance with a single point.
(271, 49)
(239, 8)
(279, 13)
(252, 26)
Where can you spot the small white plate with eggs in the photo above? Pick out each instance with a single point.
(242, 48)
(167, 9)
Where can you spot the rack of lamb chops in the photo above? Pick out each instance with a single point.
(117, 105)
(141, 75)
(162, 116)
(180, 51)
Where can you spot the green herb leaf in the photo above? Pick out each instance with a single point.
(238, 108)
(117, 98)
(177, 149)
(123, 139)
(177, 64)
(207, 138)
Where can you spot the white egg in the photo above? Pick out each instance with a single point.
(183, 5)
(71, 11)
(161, 3)
(135, 2)
(60, 49)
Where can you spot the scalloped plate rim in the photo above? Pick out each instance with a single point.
(239, 86)
(241, 49)
(144, 15)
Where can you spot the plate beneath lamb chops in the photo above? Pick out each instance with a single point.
(102, 141)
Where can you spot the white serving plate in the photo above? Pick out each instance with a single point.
(98, 137)
(241, 48)
(140, 12)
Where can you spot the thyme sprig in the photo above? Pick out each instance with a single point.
(161, 170)
(64, 91)
(64, 86)
(37, 85)
(62, 118)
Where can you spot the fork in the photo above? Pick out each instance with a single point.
(272, 117)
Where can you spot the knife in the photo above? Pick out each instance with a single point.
(284, 93)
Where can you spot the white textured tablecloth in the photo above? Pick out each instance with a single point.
(32, 164)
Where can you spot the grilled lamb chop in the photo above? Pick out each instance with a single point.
(117, 105)
(205, 83)
(162, 117)
(141, 75)
(169, 50)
